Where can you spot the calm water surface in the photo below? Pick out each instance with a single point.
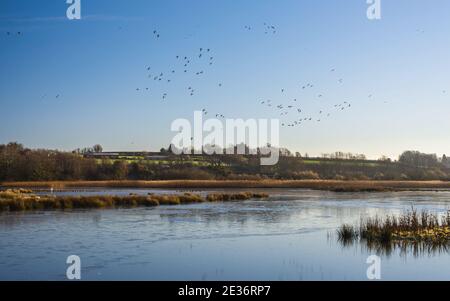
(291, 236)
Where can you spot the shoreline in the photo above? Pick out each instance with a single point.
(327, 185)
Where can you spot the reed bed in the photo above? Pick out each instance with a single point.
(223, 197)
(23, 200)
(411, 226)
(331, 185)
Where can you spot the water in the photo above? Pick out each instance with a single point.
(291, 236)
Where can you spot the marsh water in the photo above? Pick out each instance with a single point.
(290, 236)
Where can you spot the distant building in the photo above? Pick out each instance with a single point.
(123, 155)
(101, 155)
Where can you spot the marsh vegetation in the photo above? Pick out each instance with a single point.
(25, 200)
(328, 185)
(411, 231)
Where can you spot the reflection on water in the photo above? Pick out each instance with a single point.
(288, 237)
(403, 248)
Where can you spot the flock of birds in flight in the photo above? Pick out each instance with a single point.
(185, 63)
(293, 107)
(184, 67)
(284, 110)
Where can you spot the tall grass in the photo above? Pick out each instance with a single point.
(410, 226)
(14, 200)
(347, 234)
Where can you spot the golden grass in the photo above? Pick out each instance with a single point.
(410, 226)
(223, 197)
(18, 200)
(332, 185)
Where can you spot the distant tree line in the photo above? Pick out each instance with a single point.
(18, 163)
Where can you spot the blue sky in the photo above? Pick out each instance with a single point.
(95, 65)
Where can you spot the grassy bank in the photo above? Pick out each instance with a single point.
(23, 200)
(331, 185)
(410, 227)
